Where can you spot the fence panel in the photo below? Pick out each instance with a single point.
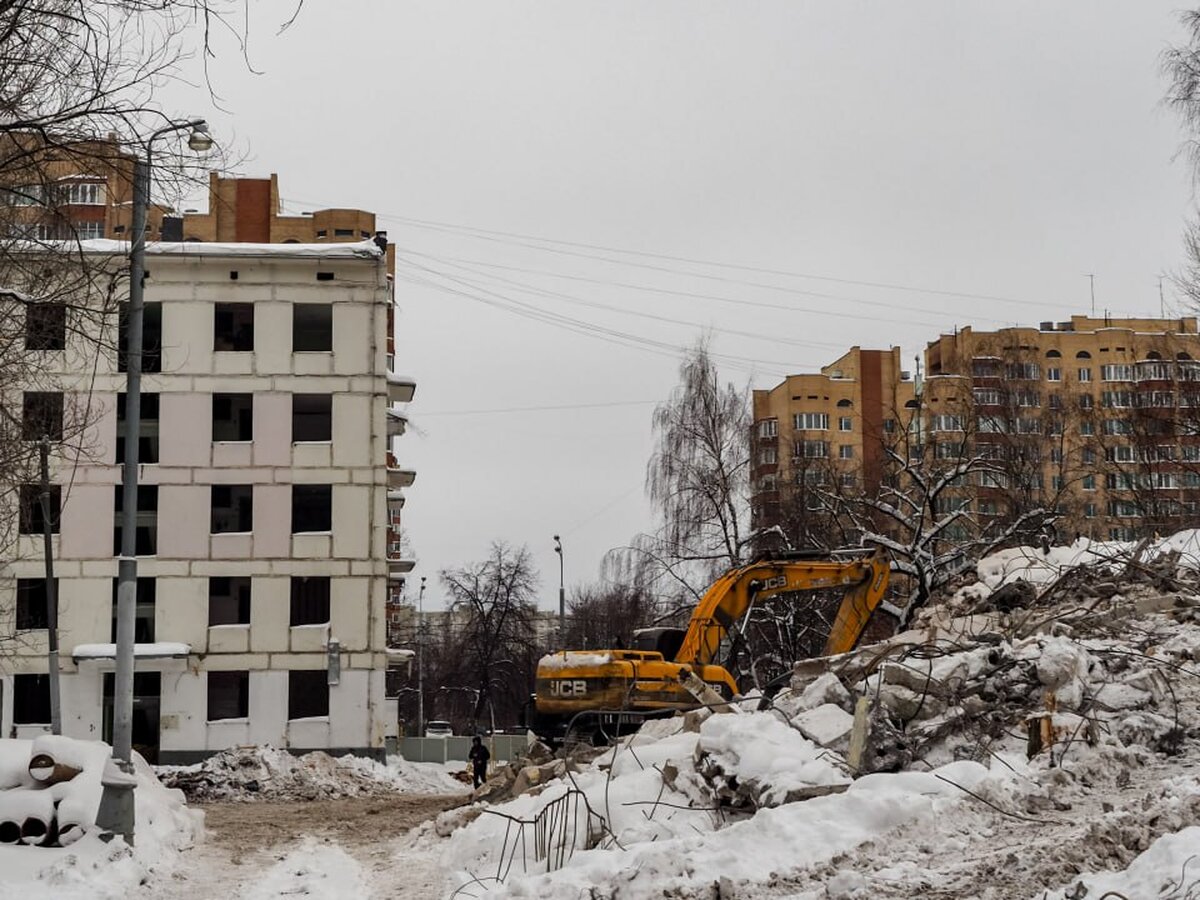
(503, 747)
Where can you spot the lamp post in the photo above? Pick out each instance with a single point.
(421, 659)
(562, 592)
(198, 141)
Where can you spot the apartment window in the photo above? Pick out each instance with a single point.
(768, 428)
(813, 478)
(22, 195)
(945, 423)
(233, 417)
(233, 327)
(811, 421)
(310, 600)
(31, 699)
(1029, 426)
(1116, 399)
(147, 432)
(1154, 371)
(768, 456)
(1116, 372)
(46, 326)
(1055, 401)
(1122, 533)
(812, 449)
(228, 695)
(1089, 510)
(1085, 374)
(1191, 453)
(1087, 428)
(1123, 509)
(991, 425)
(1054, 373)
(82, 194)
(986, 396)
(1089, 482)
(1119, 481)
(145, 596)
(1056, 455)
(308, 693)
(88, 231)
(31, 519)
(151, 338)
(1160, 399)
(985, 368)
(845, 423)
(1117, 426)
(312, 508)
(849, 480)
(321, 232)
(948, 450)
(42, 416)
(312, 418)
(768, 483)
(1087, 401)
(229, 600)
(1022, 371)
(1028, 399)
(889, 425)
(312, 326)
(33, 604)
(232, 508)
(146, 534)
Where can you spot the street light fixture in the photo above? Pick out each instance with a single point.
(562, 592)
(200, 141)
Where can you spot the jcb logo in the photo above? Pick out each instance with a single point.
(565, 688)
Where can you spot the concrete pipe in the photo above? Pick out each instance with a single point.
(69, 833)
(10, 832)
(35, 831)
(45, 770)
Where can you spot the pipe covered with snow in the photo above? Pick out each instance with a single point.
(44, 769)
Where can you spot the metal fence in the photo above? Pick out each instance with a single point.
(503, 747)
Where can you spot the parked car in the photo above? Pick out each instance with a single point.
(438, 729)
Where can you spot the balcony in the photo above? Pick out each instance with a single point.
(396, 500)
(400, 478)
(397, 423)
(400, 388)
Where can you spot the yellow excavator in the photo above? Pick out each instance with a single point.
(656, 675)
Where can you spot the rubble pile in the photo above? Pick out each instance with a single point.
(267, 773)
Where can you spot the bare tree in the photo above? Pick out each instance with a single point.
(607, 615)
(1181, 66)
(496, 652)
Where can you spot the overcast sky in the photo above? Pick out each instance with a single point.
(986, 154)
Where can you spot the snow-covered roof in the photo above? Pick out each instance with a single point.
(108, 247)
(158, 650)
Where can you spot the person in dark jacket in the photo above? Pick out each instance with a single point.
(479, 757)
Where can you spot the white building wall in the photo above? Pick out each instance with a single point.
(353, 553)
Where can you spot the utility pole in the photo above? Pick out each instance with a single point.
(1162, 304)
(51, 592)
(562, 593)
(1092, 282)
(421, 660)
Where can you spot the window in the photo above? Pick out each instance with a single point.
(812, 449)
(151, 338)
(768, 428)
(846, 451)
(1087, 401)
(1022, 371)
(312, 418)
(768, 483)
(991, 425)
(948, 450)
(232, 508)
(324, 276)
(1154, 371)
(312, 326)
(1028, 399)
(1158, 399)
(22, 195)
(1116, 372)
(1191, 453)
(1085, 375)
(768, 456)
(143, 621)
(813, 477)
(33, 604)
(42, 416)
(147, 433)
(308, 693)
(1122, 533)
(985, 368)
(343, 232)
(31, 699)
(1115, 426)
(1055, 401)
(228, 695)
(1116, 399)
(1122, 453)
(811, 421)
(845, 423)
(46, 326)
(310, 600)
(81, 193)
(229, 600)
(1089, 482)
(233, 417)
(1089, 510)
(1124, 509)
(986, 396)
(312, 508)
(849, 480)
(233, 327)
(31, 519)
(889, 426)
(89, 231)
(1054, 373)
(945, 423)
(1118, 481)
(1056, 454)
(146, 533)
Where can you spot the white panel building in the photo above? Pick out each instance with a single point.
(265, 515)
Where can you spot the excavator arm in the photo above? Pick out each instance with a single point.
(864, 577)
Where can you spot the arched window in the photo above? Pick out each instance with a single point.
(291, 241)
(911, 404)
(844, 404)
(1182, 355)
(1153, 354)
(1083, 354)
(1053, 354)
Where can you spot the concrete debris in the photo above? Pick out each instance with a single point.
(827, 688)
(827, 725)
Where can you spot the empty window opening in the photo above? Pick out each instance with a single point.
(233, 276)
(33, 604)
(229, 600)
(312, 508)
(312, 327)
(232, 508)
(233, 417)
(46, 326)
(312, 418)
(310, 600)
(143, 620)
(151, 338)
(31, 699)
(228, 695)
(343, 232)
(233, 327)
(147, 429)
(324, 276)
(146, 533)
(42, 415)
(308, 693)
(32, 521)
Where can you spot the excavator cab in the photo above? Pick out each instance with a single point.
(666, 641)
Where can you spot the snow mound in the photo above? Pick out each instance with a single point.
(268, 773)
(1170, 867)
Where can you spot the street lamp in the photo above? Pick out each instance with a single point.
(562, 592)
(421, 659)
(200, 141)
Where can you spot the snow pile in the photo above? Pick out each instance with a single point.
(572, 658)
(316, 870)
(1170, 868)
(268, 773)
